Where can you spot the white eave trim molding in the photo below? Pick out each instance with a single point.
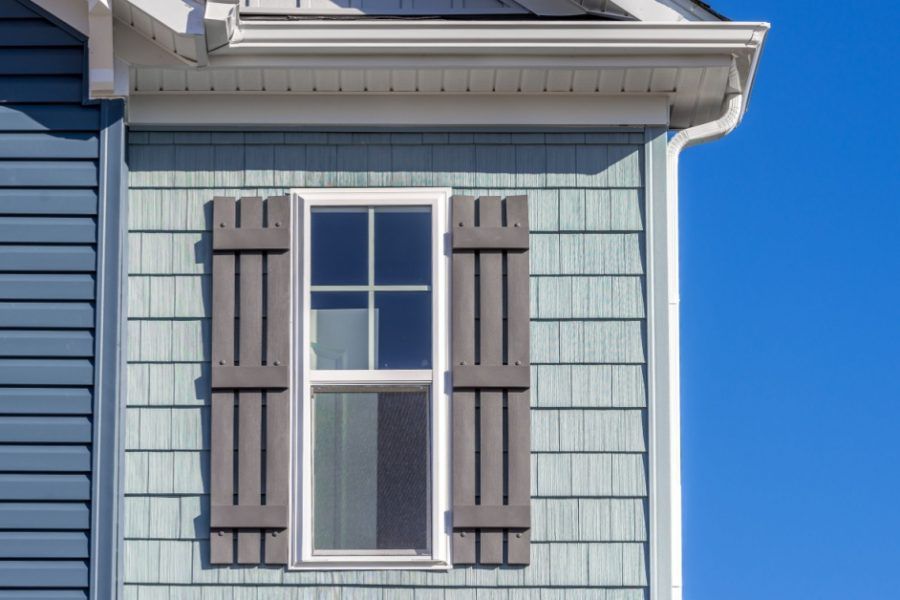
(328, 37)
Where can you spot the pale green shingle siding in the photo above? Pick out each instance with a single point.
(589, 429)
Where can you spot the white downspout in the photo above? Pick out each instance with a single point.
(707, 132)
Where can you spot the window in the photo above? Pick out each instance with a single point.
(371, 414)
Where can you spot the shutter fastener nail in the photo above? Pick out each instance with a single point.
(277, 363)
(221, 224)
(518, 362)
(462, 534)
(221, 362)
(221, 533)
(278, 224)
(518, 535)
(274, 534)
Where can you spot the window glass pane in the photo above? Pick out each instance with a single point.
(371, 475)
(403, 246)
(339, 330)
(403, 330)
(339, 246)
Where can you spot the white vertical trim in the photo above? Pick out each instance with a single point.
(370, 321)
(664, 542)
(301, 513)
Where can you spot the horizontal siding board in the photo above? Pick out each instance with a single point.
(57, 230)
(40, 88)
(47, 258)
(49, 145)
(48, 202)
(43, 544)
(44, 574)
(44, 487)
(46, 287)
(33, 173)
(59, 458)
(45, 429)
(49, 117)
(62, 315)
(44, 516)
(46, 372)
(43, 595)
(34, 33)
(41, 61)
(45, 401)
(46, 343)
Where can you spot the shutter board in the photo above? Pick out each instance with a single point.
(254, 373)
(491, 380)
(463, 350)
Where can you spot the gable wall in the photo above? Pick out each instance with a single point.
(589, 439)
(49, 183)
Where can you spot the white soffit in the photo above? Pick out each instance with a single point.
(176, 26)
(685, 63)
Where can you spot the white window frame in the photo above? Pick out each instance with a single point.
(301, 550)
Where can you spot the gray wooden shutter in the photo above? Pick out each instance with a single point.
(490, 348)
(250, 360)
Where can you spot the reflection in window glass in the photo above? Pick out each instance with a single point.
(371, 470)
(339, 330)
(403, 330)
(403, 246)
(339, 246)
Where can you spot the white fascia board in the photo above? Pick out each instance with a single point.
(329, 37)
(373, 110)
(182, 17)
(101, 58)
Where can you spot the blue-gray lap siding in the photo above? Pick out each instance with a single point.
(49, 155)
(588, 348)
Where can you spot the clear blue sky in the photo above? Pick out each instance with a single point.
(790, 233)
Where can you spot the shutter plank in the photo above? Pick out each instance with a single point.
(491, 406)
(222, 429)
(278, 312)
(463, 347)
(250, 402)
(518, 410)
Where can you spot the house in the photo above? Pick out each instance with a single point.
(347, 298)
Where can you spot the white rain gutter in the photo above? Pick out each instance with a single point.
(734, 108)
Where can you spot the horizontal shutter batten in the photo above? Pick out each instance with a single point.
(253, 378)
(491, 377)
(496, 517)
(251, 239)
(490, 238)
(248, 517)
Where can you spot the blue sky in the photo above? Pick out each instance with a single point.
(790, 233)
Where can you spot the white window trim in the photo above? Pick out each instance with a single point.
(301, 557)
